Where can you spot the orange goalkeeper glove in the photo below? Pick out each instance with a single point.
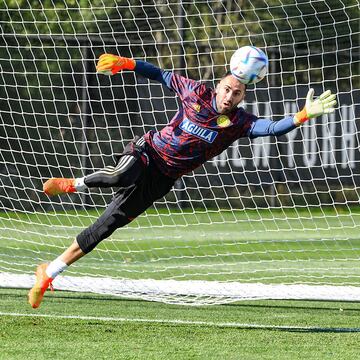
(109, 64)
(324, 104)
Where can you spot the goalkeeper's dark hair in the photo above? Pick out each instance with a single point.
(228, 73)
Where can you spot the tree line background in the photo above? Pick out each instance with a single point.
(53, 104)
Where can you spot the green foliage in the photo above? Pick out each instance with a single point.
(49, 51)
(216, 28)
(292, 31)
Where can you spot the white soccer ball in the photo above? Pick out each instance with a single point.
(249, 64)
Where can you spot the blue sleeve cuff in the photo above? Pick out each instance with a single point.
(267, 127)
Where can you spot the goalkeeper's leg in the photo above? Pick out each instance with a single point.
(124, 174)
(128, 169)
(128, 203)
(46, 273)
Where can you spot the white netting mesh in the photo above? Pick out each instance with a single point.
(273, 210)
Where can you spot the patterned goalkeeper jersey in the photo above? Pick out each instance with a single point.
(198, 132)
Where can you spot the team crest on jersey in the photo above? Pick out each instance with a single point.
(223, 121)
(198, 131)
(197, 107)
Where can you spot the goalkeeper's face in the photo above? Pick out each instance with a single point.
(229, 94)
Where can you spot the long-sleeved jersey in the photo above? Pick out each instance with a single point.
(198, 132)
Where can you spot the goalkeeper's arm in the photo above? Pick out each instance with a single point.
(109, 64)
(324, 104)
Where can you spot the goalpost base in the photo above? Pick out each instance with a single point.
(189, 292)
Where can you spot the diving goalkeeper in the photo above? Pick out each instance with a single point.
(208, 121)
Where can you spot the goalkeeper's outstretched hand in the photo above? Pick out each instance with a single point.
(324, 104)
(110, 64)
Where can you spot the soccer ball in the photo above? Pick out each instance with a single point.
(249, 64)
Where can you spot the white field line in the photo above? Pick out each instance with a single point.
(189, 322)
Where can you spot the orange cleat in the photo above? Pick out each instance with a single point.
(42, 283)
(57, 186)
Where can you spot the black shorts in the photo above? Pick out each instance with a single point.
(128, 203)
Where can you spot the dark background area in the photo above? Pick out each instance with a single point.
(58, 118)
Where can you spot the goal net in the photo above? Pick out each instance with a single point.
(268, 218)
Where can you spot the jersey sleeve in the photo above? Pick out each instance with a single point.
(267, 127)
(151, 72)
(181, 85)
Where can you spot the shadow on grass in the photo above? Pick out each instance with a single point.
(61, 296)
(278, 304)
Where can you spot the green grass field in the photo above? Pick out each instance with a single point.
(266, 246)
(74, 326)
(320, 247)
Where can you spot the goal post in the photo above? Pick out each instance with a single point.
(270, 218)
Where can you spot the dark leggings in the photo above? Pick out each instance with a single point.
(131, 164)
(124, 174)
(140, 182)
